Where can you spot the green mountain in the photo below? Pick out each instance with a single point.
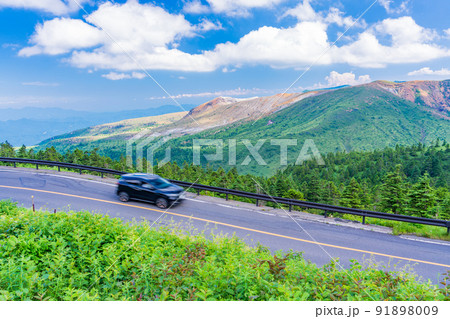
(365, 117)
(355, 118)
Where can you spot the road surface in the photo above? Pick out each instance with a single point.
(319, 242)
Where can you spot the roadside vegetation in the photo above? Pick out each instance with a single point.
(84, 256)
(410, 180)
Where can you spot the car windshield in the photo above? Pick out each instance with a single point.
(160, 182)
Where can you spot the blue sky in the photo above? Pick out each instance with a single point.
(100, 57)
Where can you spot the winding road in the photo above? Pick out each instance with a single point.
(320, 242)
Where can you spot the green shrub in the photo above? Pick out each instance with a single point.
(84, 256)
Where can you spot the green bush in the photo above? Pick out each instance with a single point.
(84, 256)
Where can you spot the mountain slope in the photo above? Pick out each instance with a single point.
(364, 117)
(111, 136)
(218, 112)
(355, 118)
(434, 94)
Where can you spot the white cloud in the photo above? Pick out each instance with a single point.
(348, 78)
(207, 25)
(240, 7)
(12, 46)
(403, 7)
(447, 33)
(121, 76)
(405, 30)
(195, 7)
(428, 71)
(304, 12)
(290, 47)
(157, 34)
(62, 35)
(56, 7)
(410, 43)
(233, 92)
(335, 79)
(38, 83)
(227, 70)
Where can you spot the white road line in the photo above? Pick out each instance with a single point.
(425, 241)
(234, 207)
(60, 176)
(269, 214)
(196, 200)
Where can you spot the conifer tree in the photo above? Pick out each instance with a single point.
(351, 196)
(7, 150)
(314, 191)
(22, 152)
(421, 198)
(331, 194)
(393, 193)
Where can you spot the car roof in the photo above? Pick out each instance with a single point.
(140, 176)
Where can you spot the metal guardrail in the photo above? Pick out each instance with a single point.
(258, 197)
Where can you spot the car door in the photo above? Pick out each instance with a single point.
(134, 188)
(148, 191)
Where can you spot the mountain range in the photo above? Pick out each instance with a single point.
(365, 117)
(31, 125)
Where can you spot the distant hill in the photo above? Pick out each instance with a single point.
(31, 125)
(365, 117)
(111, 137)
(218, 112)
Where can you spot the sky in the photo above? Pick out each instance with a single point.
(117, 55)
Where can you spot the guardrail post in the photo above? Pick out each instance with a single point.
(80, 171)
(102, 174)
(290, 207)
(364, 219)
(198, 192)
(325, 213)
(226, 196)
(37, 166)
(14, 164)
(257, 203)
(59, 168)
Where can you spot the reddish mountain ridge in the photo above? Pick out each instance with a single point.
(434, 94)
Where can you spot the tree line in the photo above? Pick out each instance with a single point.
(412, 180)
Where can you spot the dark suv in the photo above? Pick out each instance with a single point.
(150, 188)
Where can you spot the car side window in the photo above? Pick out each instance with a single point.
(147, 185)
(134, 182)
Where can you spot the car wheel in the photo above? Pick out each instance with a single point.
(162, 203)
(124, 197)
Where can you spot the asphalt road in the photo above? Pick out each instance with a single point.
(319, 242)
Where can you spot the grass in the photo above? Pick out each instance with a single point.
(84, 256)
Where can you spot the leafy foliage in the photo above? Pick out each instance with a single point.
(84, 256)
